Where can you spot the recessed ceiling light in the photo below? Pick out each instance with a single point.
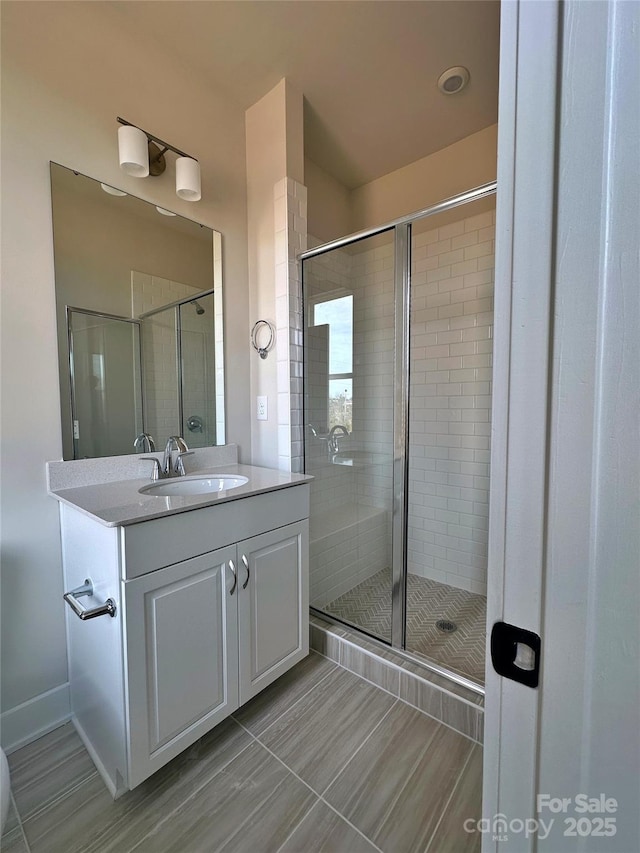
(112, 190)
(453, 80)
(164, 212)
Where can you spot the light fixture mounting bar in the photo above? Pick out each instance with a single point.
(157, 140)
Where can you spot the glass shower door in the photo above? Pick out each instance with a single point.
(349, 422)
(106, 399)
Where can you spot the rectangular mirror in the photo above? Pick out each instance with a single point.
(140, 324)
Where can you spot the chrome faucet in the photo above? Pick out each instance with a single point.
(144, 443)
(175, 442)
(336, 430)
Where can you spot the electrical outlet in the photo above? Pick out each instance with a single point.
(261, 408)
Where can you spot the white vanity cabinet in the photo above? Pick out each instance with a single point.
(272, 589)
(181, 653)
(198, 631)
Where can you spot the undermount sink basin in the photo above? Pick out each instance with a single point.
(185, 486)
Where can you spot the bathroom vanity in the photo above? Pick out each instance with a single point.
(210, 601)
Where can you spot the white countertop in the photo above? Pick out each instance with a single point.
(119, 502)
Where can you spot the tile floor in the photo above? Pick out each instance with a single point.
(320, 761)
(368, 606)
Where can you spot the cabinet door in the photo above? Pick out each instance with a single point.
(273, 605)
(182, 657)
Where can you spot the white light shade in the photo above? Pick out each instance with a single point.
(133, 148)
(188, 179)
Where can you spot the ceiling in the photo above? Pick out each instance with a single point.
(367, 68)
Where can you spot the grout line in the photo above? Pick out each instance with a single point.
(353, 755)
(20, 827)
(194, 793)
(293, 773)
(289, 707)
(24, 838)
(447, 804)
(408, 672)
(408, 776)
(256, 809)
(298, 824)
(320, 797)
(415, 707)
(402, 670)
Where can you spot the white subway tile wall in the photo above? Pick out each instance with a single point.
(160, 357)
(198, 368)
(452, 279)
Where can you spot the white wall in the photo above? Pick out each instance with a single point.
(68, 69)
(335, 211)
(329, 204)
(274, 147)
(455, 169)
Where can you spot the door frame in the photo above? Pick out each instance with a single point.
(565, 528)
(525, 210)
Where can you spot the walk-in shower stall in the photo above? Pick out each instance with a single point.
(398, 328)
(156, 374)
(179, 370)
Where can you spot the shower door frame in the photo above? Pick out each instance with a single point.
(69, 310)
(402, 299)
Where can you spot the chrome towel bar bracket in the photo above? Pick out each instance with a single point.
(71, 597)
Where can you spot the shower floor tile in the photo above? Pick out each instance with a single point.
(368, 606)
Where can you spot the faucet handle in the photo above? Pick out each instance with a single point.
(179, 466)
(156, 473)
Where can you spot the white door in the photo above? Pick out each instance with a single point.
(564, 538)
(181, 648)
(273, 605)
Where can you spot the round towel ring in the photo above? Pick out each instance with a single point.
(258, 327)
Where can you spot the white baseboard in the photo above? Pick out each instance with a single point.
(102, 770)
(34, 718)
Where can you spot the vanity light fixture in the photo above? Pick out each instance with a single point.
(164, 211)
(142, 154)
